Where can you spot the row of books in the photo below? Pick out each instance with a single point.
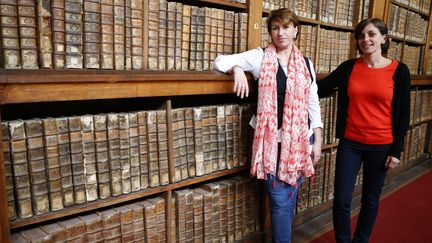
(133, 34)
(421, 106)
(53, 163)
(222, 211)
(420, 5)
(340, 12)
(415, 142)
(411, 57)
(334, 45)
(406, 24)
(334, 49)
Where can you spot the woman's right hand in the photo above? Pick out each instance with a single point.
(241, 85)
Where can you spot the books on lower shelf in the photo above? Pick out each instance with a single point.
(53, 163)
(198, 216)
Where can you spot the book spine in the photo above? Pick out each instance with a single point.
(153, 34)
(200, 40)
(223, 214)
(36, 159)
(125, 163)
(207, 38)
(58, 33)
(143, 149)
(134, 152)
(150, 221)
(74, 34)
(176, 144)
(10, 57)
(44, 33)
(126, 223)
(64, 149)
(162, 45)
(206, 140)
(28, 34)
(107, 34)
(114, 154)
(171, 35)
(160, 218)
(52, 163)
(213, 139)
(137, 34)
(228, 32)
(89, 158)
(92, 25)
(186, 31)
(221, 140)
(162, 140)
(77, 159)
(119, 34)
(111, 225)
(137, 222)
(152, 142)
(198, 141)
(102, 158)
(193, 37)
(7, 160)
(198, 219)
(128, 34)
(190, 143)
(178, 36)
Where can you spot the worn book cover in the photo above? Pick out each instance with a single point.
(114, 153)
(28, 34)
(7, 160)
(63, 140)
(125, 164)
(143, 149)
(77, 159)
(10, 57)
(89, 157)
(36, 160)
(101, 150)
(52, 163)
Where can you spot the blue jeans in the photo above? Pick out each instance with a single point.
(350, 156)
(282, 205)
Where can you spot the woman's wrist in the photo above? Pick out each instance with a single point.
(233, 68)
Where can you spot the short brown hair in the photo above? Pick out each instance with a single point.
(284, 15)
(380, 25)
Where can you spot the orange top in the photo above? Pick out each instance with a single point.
(370, 92)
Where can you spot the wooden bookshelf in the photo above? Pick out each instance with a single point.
(51, 86)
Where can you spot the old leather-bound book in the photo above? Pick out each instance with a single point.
(7, 160)
(52, 163)
(28, 34)
(63, 140)
(77, 159)
(74, 34)
(89, 158)
(10, 57)
(102, 161)
(114, 154)
(37, 169)
(143, 149)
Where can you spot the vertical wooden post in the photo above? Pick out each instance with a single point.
(377, 8)
(254, 23)
(4, 216)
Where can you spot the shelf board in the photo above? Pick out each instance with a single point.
(27, 86)
(224, 3)
(421, 79)
(113, 201)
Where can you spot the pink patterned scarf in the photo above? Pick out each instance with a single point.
(295, 159)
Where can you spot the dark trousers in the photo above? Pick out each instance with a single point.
(350, 156)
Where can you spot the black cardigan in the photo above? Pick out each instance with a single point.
(400, 105)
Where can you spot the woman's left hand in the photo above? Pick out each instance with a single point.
(392, 162)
